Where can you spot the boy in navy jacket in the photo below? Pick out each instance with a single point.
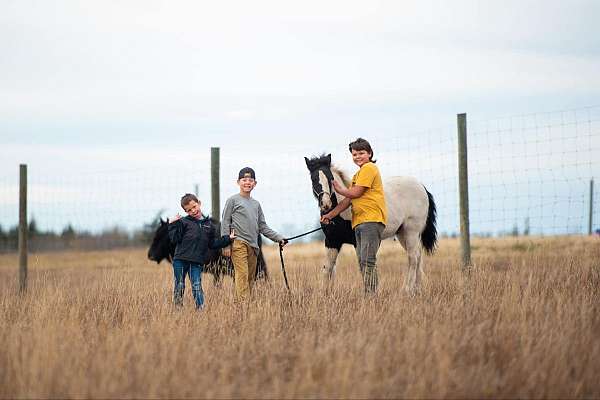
(192, 235)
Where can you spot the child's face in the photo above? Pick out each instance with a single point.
(360, 157)
(246, 184)
(193, 209)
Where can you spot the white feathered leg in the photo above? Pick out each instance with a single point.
(329, 267)
(412, 282)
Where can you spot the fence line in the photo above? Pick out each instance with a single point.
(528, 174)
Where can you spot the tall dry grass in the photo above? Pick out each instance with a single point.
(524, 323)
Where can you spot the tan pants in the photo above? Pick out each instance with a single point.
(244, 264)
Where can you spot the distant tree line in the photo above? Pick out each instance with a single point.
(71, 239)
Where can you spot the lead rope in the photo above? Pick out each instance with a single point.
(281, 251)
(283, 267)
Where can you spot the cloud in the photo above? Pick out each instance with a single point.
(211, 61)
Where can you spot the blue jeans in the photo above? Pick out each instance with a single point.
(180, 270)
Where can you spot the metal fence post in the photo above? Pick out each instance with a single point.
(22, 228)
(463, 189)
(215, 184)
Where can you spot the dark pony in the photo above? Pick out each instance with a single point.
(217, 265)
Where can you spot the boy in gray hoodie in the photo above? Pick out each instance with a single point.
(244, 215)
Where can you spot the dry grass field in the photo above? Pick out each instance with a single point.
(524, 323)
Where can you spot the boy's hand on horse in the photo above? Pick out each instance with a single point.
(341, 189)
(338, 188)
(282, 242)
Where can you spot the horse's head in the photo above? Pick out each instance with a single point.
(321, 177)
(161, 248)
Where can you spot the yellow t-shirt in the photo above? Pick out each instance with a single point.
(370, 207)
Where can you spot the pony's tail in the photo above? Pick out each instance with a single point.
(429, 234)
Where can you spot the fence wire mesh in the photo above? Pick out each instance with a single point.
(528, 175)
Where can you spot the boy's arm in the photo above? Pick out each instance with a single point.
(336, 211)
(264, 228)
(354, 192)
(176, 231)
(226, 217)
(217, 242)
(364, 180)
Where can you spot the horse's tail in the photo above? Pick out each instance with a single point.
(429, 234)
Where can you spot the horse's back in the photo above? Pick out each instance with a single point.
(406, 202)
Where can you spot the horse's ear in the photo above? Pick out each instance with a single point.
(161, 221)
(307, 162)
(328, 158)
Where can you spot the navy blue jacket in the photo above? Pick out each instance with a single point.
(193, 237)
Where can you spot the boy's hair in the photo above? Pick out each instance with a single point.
(187, 198)
(361, 144)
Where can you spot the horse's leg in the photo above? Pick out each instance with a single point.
(401, 236)
(412, 282)
(216, 279)
(420, 273)
(329, 268)
(261, 267)
(213, 268)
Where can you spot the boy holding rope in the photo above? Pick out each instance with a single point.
(244, 215)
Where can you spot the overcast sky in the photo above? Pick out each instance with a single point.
(103, 85)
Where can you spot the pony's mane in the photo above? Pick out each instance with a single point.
(323, 160)
(342, 174)
(318, 161)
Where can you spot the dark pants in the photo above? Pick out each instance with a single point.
(180, 270)
(368, 239)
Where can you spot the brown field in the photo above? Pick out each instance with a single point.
(524, 324)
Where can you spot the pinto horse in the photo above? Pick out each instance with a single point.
(411, 217)
(217, 265)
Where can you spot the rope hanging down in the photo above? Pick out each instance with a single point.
(281, 252)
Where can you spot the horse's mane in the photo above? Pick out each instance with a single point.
(342, 174)
(324, 160)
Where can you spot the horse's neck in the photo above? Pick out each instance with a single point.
(347, 213)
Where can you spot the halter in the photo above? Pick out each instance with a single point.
(332, 194)
(318, 194)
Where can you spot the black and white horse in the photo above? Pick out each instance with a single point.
(217, 265)
(411, 217)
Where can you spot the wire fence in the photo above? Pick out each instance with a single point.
(528, 175)
(531, 173)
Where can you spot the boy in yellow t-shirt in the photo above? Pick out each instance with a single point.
(368, 210)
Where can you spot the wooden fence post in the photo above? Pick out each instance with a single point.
(215, 184)
(591, 213)
(22, 228)
(463, 190)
